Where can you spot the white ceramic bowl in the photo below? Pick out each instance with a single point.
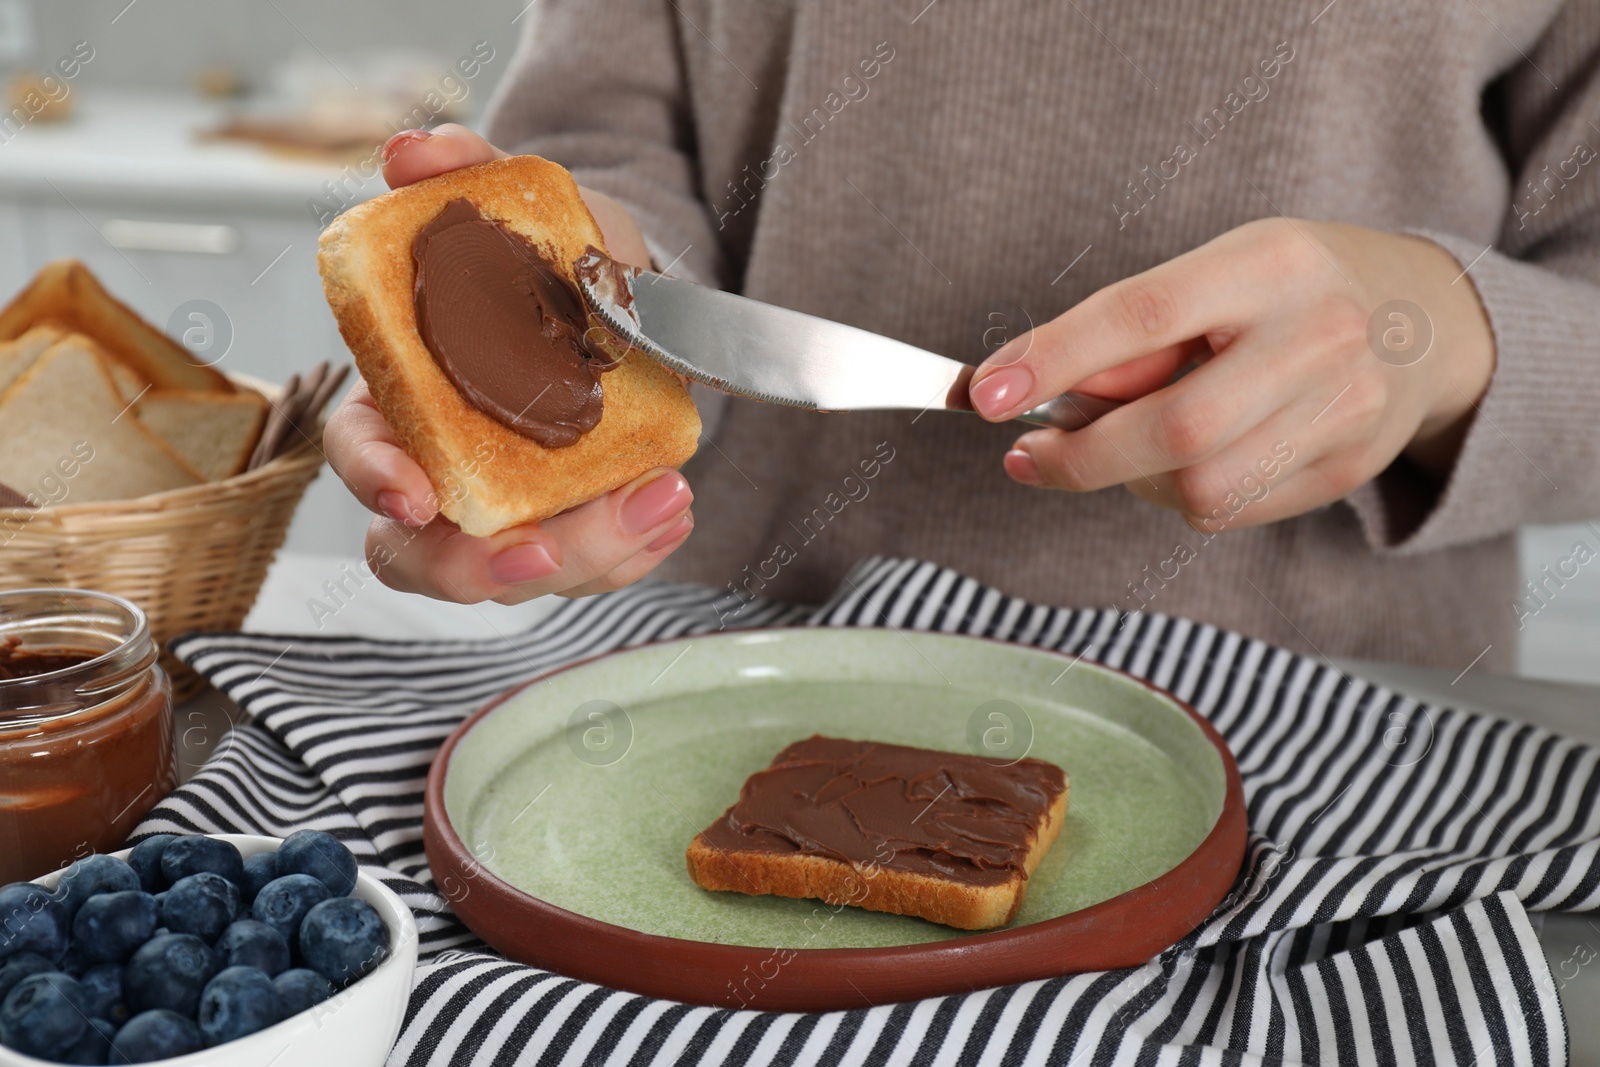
(355, 1027)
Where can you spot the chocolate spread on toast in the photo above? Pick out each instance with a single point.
(936, 813)
(507, 327)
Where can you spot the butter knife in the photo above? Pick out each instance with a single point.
(742, 346)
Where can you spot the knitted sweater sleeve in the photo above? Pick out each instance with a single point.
(1532, 453)
(598, 86)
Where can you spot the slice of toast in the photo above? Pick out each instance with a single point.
(214, 433)
(63, 423)
(487, 476)
(129, 385)
(948, 838)
(17, 356)
(65, 294)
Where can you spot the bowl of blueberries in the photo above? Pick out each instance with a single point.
(226, 950)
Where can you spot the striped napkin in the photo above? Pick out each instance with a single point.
(1382, 915)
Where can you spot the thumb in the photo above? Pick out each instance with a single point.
(412, 155)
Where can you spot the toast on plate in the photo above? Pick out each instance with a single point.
(949, 838)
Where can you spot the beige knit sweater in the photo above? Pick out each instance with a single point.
(946, 173)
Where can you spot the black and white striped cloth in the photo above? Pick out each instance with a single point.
(1382, 916)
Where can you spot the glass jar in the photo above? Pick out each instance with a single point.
(86, 744)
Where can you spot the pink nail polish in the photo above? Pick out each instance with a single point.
(1022, 468)
(655, 502)
(394, 505)
(521, 563)
(685, 524)
(400, 140)
(1005, 389)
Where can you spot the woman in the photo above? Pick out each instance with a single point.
(1373, 228)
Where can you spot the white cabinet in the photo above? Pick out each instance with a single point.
(14, 243)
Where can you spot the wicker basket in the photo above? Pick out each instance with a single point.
(192, 558)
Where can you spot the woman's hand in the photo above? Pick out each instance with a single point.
(604, 544)
(1291, 406)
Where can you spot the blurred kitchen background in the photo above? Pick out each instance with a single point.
(195, 148)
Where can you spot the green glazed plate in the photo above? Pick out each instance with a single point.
(583, 790)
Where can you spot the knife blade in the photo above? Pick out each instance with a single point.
(781, 356)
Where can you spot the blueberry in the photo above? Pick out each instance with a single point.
(168, 972)
(239, 1001)
(32, 920)
(322, 856)
(43, 1014)
(250, 943)
(93, 1047)
(92, 875)
(145, 859)
(191, 855)
(154, 1035)
(14, 969)
(342, 939)
(301, 989)
(258, 871)
(74, 962)
(201, 904)
(283, 902)
(102, 986)
(110, 926)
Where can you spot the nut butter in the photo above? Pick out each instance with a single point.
(86, 736)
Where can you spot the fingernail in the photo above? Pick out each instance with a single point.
(1001, 391)
(685, 524)
(522, 563)
(394, 505)
(400, 140)
(655, 502)
(1022, 468)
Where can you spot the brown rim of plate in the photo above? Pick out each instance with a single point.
(1126, 931)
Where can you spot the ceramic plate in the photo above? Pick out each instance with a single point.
(557, 817)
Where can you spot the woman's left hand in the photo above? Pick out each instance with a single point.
(1324, 351)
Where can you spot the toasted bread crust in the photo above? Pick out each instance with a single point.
(487, 476)
(66, 295)
(875, 887)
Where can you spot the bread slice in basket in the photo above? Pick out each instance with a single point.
(949, 838)
(18, 355)
(67, 426)
(66, 295)
(214, 432)
(489, 477)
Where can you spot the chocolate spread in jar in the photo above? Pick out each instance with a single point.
(507, 327)
(19, 662)
(950, 816)
(78, 772)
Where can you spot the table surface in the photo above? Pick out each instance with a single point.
(374, 611)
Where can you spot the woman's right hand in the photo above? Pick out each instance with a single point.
(608, 543)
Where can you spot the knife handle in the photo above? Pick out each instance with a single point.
(1069, 411)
